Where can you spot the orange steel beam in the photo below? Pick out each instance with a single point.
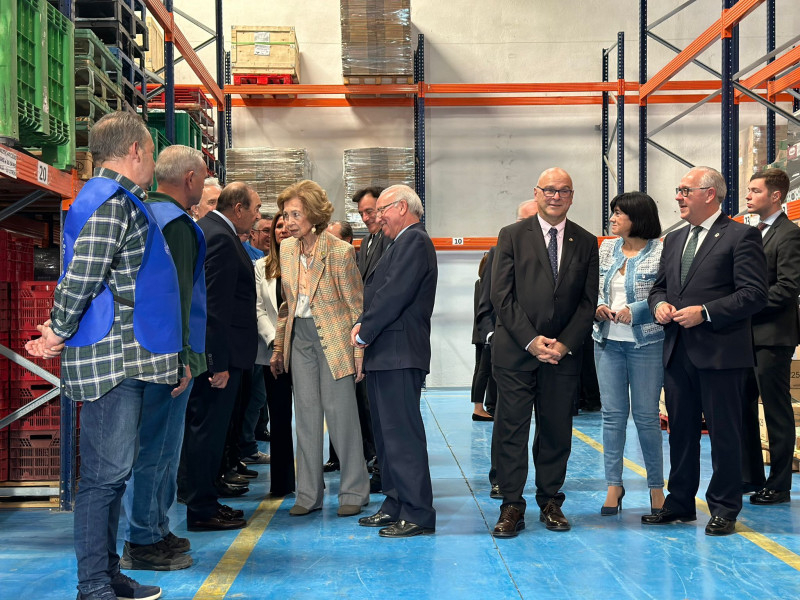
(269, 102)
(789, 80)
(167, 21)
(720, 28)
(781, 63)
(521, 88)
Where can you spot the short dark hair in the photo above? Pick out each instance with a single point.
(373, 191)
(775, 180)
(113, 135)
(643, 213)
(233, 194)
(347, 230)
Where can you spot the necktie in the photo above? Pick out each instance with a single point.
(552, 252)
(369, 242)
(762, 226)
(688, 254)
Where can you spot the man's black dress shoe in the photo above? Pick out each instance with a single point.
(375, 483)
(404, 529)
(331, 466)
(242, 470)
(379, 519)
(666, 516)
(751, 488)
(230, 491)
(553, 518)
(720, 526)
(231, 513)
(510, 523)
(766, 496)
(219, 522)
(233, 478)
(496, 493)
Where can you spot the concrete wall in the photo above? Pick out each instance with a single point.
(481, 162)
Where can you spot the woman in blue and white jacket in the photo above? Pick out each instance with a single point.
(628, 344)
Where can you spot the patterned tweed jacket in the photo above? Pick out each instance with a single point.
(336, 298)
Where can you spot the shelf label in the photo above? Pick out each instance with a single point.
(458, 241)
(43, 173)
(8, 163)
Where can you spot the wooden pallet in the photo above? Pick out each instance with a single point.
(378, 80)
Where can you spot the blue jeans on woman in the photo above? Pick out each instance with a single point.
(630, 380)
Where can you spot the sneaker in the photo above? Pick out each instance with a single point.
(153, 557)
(259, 458)
(126, 588)
(177, 544)
(104, 593)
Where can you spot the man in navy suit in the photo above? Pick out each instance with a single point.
(395, 331)
(711, 280)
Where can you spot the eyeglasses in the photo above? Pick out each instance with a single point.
(551, 193)
(382, 209)
(684, 191)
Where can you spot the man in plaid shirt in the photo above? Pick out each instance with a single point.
(103, 326)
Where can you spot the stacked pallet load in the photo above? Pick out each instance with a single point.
(120, 24)
(268, 170)
(793, 159)
(264, 54)
(368, 167)
(753, 155)
(376, 42)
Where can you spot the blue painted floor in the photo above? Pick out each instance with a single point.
(323, 556)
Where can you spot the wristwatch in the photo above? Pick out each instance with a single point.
(704, 313)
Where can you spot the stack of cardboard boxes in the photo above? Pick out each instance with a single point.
(268, 170)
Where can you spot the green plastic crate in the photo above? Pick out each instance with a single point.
(160, 142)
(9, 113)
(31, 75)
(187, 131)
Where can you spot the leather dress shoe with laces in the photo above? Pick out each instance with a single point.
(721, 526)
(242, 470)
(232, 513)
(553, 518)
(331, 466)
(233, 478)
(496, 493)
(767, 496)
(404, 529)
(379, 519)
(665, 516)
(218, 522)
(226, 490)
(510, 523)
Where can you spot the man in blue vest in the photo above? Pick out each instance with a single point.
(150, 545)
(116, 315)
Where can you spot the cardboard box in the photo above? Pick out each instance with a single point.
(154, 57)
(794, 379)
(265, 49)
(762, 426)
(83, 164)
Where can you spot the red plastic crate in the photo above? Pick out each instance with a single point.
(3, 454)
(261, 79)
(34, 455)
(51, 365)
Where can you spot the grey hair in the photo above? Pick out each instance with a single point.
(712, 178)
(212, 182)
(175, 161)
(113, 135)
(403, 192)
(523, 204)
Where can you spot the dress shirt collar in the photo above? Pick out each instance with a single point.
(227, 220)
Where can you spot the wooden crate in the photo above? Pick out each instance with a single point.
(265, 49)
(83, 164)
(154, 57)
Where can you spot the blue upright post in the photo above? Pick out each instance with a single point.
(621, 114)
(223, 112)
(604, 153)
(730, 121)
(169, 80)
(642, 105)
(419, 123)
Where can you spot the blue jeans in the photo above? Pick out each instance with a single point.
(109, 438)
(153, 484)
(630, 381)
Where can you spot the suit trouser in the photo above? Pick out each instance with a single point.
(401, 443)
(770, 378)
(318, 394)
(281, 447)
(208, 415)
(232, 453)
(365, 421)
(484, 388)
(550, 390)
(253, 405)
(718, 394)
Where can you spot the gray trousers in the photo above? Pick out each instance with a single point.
(316, 395)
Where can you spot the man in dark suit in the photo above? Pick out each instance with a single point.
(711, 280)
(395, 330)
(231, 345)
(544, 292)
(776, 333)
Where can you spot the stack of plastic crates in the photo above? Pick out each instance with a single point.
(5, 373)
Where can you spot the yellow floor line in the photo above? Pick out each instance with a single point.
(780, 552)
(220, 580)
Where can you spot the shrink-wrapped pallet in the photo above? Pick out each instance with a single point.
(268, 170)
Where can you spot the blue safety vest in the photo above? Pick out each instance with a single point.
(156, 307)
(165, 213)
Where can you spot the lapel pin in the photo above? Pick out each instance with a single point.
(570, 239)
(716, 235)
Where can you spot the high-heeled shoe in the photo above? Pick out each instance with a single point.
(653, 509)
(610, 511)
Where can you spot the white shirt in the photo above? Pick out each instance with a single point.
(705, 226)
(770, 221)
(546, 227)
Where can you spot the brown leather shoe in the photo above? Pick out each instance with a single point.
(553, 518)
(510, 523)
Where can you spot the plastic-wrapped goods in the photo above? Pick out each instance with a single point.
(268, 170)
(369, 167)
(376, 39)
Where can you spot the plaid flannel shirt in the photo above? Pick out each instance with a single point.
(108, 249)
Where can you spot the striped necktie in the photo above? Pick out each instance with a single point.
(688, 254)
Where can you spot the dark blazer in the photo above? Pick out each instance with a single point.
(485, 316)
(398, 303)
(231, 330)
(777, 324)
(728, 276)
(529, 303)
(367, 261)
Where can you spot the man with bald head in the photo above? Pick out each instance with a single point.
(544, 292)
